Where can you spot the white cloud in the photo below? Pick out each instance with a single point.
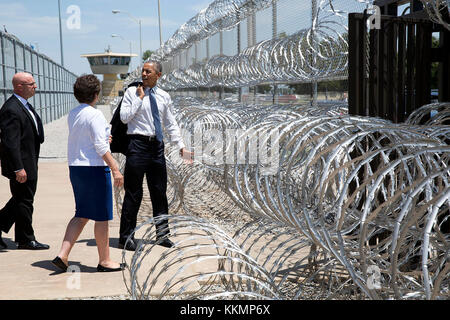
(20, 22)
(198, 7)
(148, 22)
(153, 22)
(21, 26)
(85, 28)
(11, 9)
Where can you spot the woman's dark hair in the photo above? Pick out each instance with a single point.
(86, 87)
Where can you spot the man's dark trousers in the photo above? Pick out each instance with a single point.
(19, 210)
(144, 156)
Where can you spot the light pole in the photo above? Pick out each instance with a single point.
(140, 30)
(60, 33)
(119, 36)
(159, 19)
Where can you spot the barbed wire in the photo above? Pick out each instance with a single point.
(316, 53)
(268, 61)
(218, 16)
(204, 254)
(368, 196)
(338, 207)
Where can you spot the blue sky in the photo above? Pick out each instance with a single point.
(36, 22)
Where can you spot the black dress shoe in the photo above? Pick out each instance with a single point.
(57, 262)
(2, 243)
(33, 245)
(129, 245)
(101, 268)
(165, 243)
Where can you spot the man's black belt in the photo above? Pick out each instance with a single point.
(142, 137)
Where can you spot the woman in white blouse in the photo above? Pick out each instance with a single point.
(90, 167)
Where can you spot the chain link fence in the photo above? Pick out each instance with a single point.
(54, 94)
(262, 52)
(347, 207)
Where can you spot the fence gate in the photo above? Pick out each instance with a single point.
(390, 67)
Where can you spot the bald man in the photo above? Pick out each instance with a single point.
(21, 134)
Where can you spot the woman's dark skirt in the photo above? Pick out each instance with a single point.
(92, 189)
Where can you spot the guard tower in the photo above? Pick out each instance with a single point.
(110, 65)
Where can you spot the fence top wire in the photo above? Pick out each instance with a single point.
(13, 38)
(220, 15)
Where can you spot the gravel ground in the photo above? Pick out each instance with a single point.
(56, 132)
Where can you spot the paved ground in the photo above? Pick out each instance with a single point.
(28, 274)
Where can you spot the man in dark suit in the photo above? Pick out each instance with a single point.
(21, 134)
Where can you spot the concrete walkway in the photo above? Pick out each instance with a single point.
(26, 274)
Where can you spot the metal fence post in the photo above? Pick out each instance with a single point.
(274, 36)
(3, 93)
(239, 51)
(313, 26)
(251, 41)
(221, 92)
(14, 55)
(207, 58)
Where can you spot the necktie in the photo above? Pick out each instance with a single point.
(38, 122)
(33, 115)
(156, 119)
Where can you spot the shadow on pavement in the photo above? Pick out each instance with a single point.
(73, 265)
(113, 242)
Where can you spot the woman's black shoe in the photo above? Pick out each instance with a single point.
(57, 262)
(101, 268)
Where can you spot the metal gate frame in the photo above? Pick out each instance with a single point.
(390, 67)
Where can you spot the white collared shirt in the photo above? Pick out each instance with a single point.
(25, 104)
(137, 114)
(88, 137)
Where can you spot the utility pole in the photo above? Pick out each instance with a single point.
(159, 18)
(60, 33)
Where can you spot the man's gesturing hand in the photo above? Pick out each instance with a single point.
(187, 156)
